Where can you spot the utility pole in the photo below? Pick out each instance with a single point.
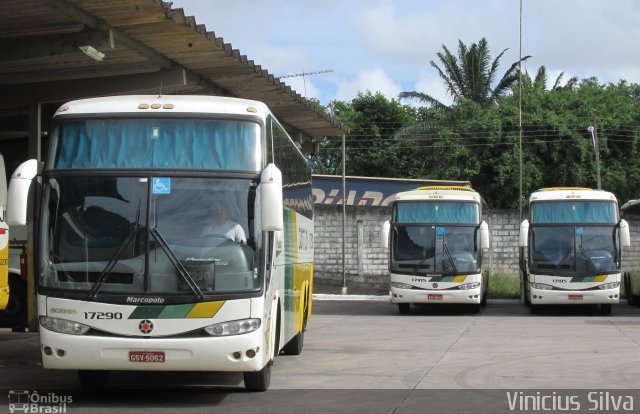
(520, 114)
(344, 216)
(593, 128)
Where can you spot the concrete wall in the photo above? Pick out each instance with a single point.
(366, 262)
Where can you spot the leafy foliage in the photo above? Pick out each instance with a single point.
(472, 140)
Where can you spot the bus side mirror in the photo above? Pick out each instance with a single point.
(484, 236)
(384, 234)
(625, 236)
(271, 199)
(18, 195)
(523, 238)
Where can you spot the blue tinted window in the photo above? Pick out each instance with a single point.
(158, 143)
(573, 212)
(436, 212)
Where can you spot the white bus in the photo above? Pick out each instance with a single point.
(571, 247)
(134, 269)
(436, 238)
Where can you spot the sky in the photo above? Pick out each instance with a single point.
(386, 46)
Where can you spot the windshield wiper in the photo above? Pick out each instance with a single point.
(446, 250)
(585, 254)
(108, 269)
(184, 274)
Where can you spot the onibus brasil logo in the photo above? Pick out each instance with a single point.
(25, 401)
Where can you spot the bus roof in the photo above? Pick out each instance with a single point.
(167, 104)
(432, 193)
(572, 193)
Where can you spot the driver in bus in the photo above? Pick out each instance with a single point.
(223, 226)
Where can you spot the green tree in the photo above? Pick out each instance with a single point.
(481, 143)
(470, 75)
(372, 120)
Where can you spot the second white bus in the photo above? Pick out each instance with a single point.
(436, 238)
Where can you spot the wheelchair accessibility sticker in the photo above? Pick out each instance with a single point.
(161, 185)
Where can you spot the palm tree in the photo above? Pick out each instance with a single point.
(539, 83)
(470, 75)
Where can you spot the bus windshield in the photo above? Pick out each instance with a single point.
(433, 249)
(145, 143)
(566, 249)
(145, 234)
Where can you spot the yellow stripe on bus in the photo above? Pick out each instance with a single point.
(446, 187)
(459, 279)
(600, 278)
(205, 309)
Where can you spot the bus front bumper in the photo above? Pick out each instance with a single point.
(88, 352)
(563, 297)
(470, 296)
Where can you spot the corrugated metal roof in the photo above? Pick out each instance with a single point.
(148, 48)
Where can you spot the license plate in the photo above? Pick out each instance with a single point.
(575, 297)
(146, 356)
(434, 296)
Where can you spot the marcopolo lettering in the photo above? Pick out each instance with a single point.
(133, 299)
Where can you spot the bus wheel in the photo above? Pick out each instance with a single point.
(258, 381)
(606, 309)
(93, 380)
(294, 346)
(631, 298)
(404, 308)
(15, 314)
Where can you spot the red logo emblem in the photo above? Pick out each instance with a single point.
(145, 326)
(435, 285)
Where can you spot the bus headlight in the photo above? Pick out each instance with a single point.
(400, 285)
(613, 285)
(240, 327)
(541, 286)
(468, 286)
(63, 326)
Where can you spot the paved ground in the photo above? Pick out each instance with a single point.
(363, 355)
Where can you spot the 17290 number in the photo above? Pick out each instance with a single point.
(103, 315)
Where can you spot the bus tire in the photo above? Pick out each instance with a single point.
(631, 298)
(606, 308)
(258, 381)
(93, 380)
(294, 346)
(15, 314)
(404, 308)
(535, 309)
